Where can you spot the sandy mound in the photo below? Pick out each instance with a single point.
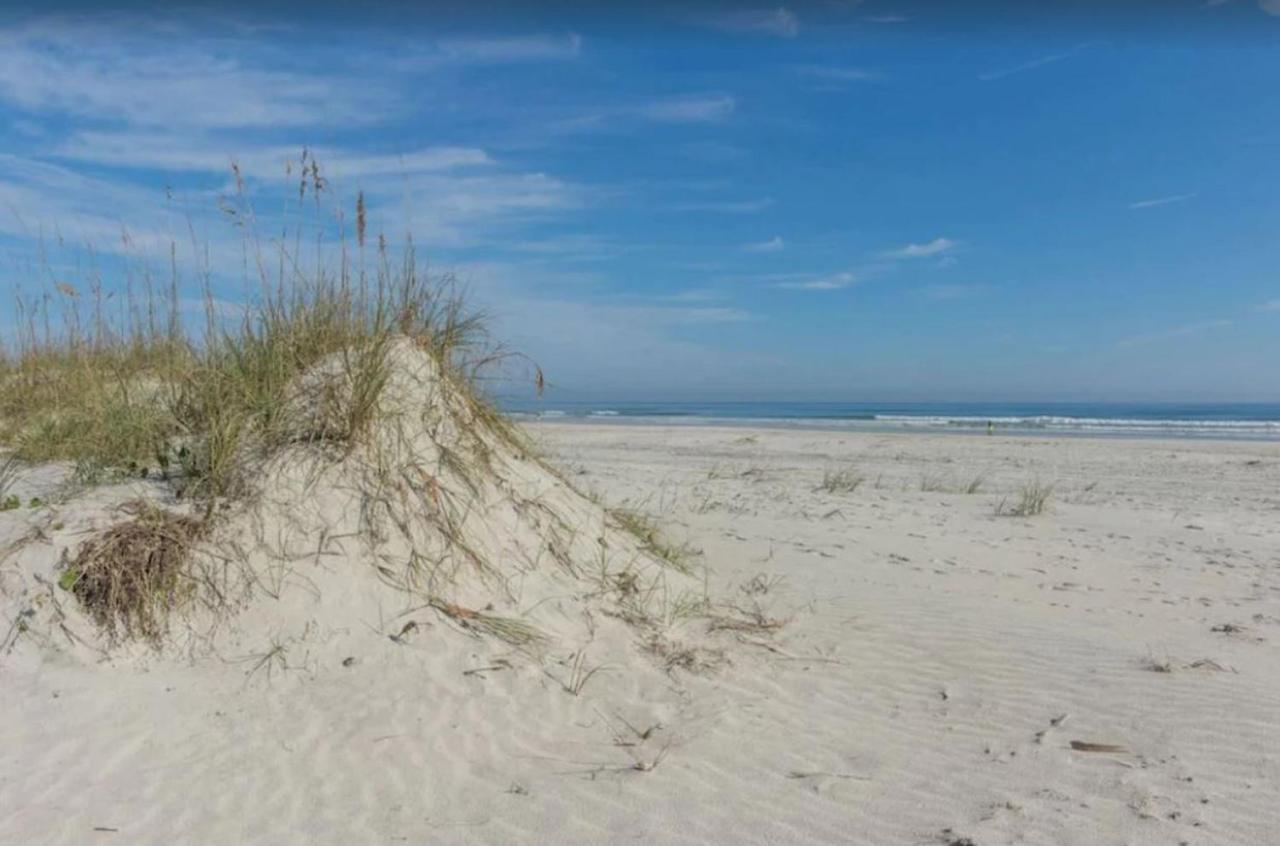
(437, 523)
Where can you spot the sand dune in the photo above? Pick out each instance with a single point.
(937, 665)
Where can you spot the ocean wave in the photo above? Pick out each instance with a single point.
(1236, 428)
(1079, 423)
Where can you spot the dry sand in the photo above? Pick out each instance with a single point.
(939, 662)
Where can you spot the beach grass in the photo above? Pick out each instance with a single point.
(1032, 500)
(842, 480)
(132, 382)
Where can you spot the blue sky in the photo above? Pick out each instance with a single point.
(882, 200)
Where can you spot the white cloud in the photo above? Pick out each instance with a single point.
(937, 246)
(1272, 305)
(950, 292)
(887, 19)
(702, 109)
(198, 152)
(136, 76)
(773, 245)
(689, 109)
(728, 206)
(1271, 7)
(836, 74)
(1176, 332)
(517, 49)
(1162, 201)
(780, 22)
(1031, 65)
(834, 282)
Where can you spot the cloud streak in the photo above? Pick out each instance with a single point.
(834, 282)
(1040, 62)
(936, 247)
(773, 245)
(779, 23)
(1177, 332)
(1163, 201)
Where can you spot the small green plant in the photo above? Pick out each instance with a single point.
(975, 485)
(67, 581)
(10, 502)
(845, 480)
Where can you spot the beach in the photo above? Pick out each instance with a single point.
(933, 668)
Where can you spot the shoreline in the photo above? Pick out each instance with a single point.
(834, 427)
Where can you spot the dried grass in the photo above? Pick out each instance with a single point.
(134, 575)
(845, 480)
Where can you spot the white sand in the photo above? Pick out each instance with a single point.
(938, 663)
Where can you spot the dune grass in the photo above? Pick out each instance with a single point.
(1032, 500)
(136, 387)
(843, 480)
(652, 540)
(144, 382)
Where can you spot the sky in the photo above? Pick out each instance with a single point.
(850, 201)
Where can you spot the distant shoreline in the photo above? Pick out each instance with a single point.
(1262, 432)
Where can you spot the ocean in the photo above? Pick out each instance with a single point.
(1233, 421)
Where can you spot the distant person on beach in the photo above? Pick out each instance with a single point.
(991, 428)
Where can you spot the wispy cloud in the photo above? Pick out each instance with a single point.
(780, 22)
(1033, 64)
(944, 293)
(1162, 201)
(887, 19)
(834, 282)
(516, 49)
(1271, 305)
(1176, 332)
(728, 206)
(936, 247)
(1271, 7)
(202, 153)
(773, 245)
(131, 75)
(688, 109)
(699, 109)
(835, 74)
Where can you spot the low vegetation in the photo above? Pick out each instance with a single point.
(1032, 500)
(135, 389)
(843, 480)
(150, 383)
(131, 577)
(653, 541)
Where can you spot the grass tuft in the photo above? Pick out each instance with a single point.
(677, 556)
(133, 575)
(1033, 499)
(845, 480)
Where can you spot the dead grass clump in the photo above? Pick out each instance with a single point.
(677, 655)
(134, 575)
(509, 630)
(846, 480)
